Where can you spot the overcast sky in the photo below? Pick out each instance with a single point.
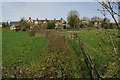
(14, 11)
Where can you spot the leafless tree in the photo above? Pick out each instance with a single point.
(113, 8)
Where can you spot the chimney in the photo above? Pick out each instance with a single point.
(29, 17)
(55, 19)
(37, 19)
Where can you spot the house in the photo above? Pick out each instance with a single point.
(12, 27)
(98, 23)
(30, 21)
(84, 21)
(37, 22)
(40, 22)
(15, 23)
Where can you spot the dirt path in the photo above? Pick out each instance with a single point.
(56, 41)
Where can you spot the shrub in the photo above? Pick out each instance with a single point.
(4, 25)
(68, 27)
(43, 26)
(64, 26)
(24, 25)
(81, 25)
(51, 25)
(112, 26)
(35, 28)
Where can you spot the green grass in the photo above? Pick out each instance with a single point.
(0, 46)
(20, 46)
(76, 46)
(100, 58)
(5, 29)
(49, 57)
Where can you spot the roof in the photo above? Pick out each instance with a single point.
(46, 20)
(17, 22)
(14, 22)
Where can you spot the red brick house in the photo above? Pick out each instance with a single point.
(40, 22)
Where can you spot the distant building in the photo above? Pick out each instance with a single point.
(98, 23)
(15, 23)
(30, 21)
(40, 22)
(84, 21)
(12, 27)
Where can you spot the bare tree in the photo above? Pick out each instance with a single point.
(112, 8)
(73, 19)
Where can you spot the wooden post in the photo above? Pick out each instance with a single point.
(92, 69)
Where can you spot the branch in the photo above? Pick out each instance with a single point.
(113, 34)
(103, 41)
(110, 10)
(113, 45)
(109, 53)
(104, 49)
(109, 32)
(113, 12)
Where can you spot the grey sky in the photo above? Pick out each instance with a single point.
(48, 0)
(14, 11)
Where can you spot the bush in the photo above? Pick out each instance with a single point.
(44, 26)
(51, 25)
(35, 28)
(24, 25)
(81, 25)
(90, 24)
(64, 26)
(105, 25)
(112, 26)
(4, 25)
(67, 26)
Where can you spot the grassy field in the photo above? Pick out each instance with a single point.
(54, 56)
(19, 46)
(36, 56)
(0, 49)
(74, 47)
(106, 64)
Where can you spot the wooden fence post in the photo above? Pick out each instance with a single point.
(92, 69)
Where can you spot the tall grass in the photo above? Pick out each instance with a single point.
(102, 60)
(75, 46)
